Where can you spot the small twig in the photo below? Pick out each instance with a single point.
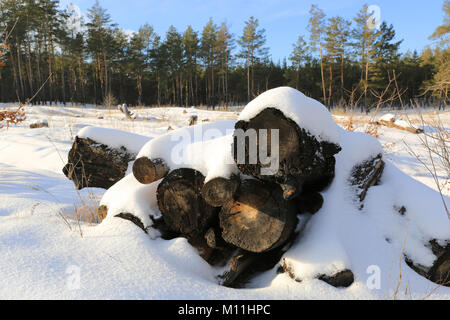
(400, 260)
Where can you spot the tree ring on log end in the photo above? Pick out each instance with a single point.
(259, 219)
(181, 204)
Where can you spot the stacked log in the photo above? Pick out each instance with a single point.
(181, 204)
(147, 171)
(249, 219)
(304, 162)
(92, 164)
(249, 211)
(259, 219)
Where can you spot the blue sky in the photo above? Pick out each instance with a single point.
(284, 20)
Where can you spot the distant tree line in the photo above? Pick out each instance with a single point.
(62, 58)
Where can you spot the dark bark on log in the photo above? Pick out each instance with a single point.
(164, 230)
(239, 264)
(217, 192)
(133, 219)
(342, 279)
(147, 171)
(302, 158)
(91, 164)
(214, 256)
(245, 265)
(439, 272)
(181, 204)
(310, 202)
(259, 219)
(367, 174)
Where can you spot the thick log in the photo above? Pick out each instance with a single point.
(92, 164)
(367, 174)
(147, 171)
(183, 208)
(244, 265)
(217, 192)
(304, 163)
(259, 219)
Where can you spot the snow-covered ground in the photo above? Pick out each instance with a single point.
(46, 252)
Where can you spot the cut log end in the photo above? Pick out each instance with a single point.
(259, 219)
(181, 204)
(147, 171)
(219, 191)
(300, 156)
(102, 212)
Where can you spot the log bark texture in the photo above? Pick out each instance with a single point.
(366, 175)
(304, 162)
(92, 164)
(259, 219)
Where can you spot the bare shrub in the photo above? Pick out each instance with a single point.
(12, 117)
(109, 101)
(435, 140)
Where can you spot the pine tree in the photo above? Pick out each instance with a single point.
(138, 55)
(224, 44)
(175, 63)
(316, 28)
(100, 37)
(364, 48)
(337, 35)
(209, 57)
(298, 56)
(439, 85)
(385, 55)
(191, 52)
(252, 51)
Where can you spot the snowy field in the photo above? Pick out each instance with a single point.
(47, 243)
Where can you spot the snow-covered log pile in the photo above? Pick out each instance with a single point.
(317, 202)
